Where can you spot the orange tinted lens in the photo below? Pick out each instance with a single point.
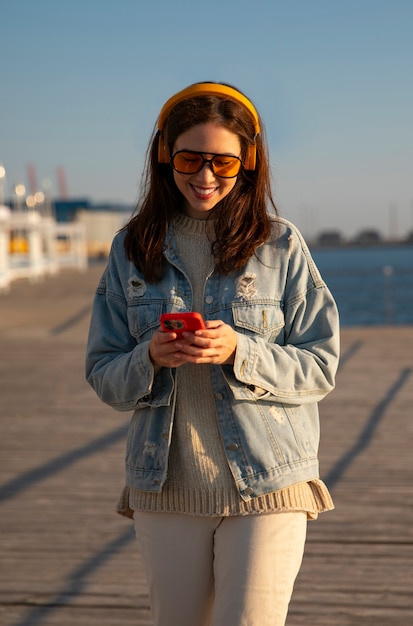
(226, 166)
(187, 162)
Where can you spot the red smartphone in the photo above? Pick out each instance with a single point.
(181, 322)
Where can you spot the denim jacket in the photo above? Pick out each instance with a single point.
(266, 402)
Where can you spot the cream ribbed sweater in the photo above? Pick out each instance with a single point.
(199, 478)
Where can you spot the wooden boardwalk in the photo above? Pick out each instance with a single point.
(68, 560)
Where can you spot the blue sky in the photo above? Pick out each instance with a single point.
(82, 83)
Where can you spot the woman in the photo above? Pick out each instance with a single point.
(221, 463)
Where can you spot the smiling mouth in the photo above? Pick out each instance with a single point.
(204, 192)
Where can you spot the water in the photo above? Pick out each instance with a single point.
(371, 286)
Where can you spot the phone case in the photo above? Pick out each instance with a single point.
(180, 322)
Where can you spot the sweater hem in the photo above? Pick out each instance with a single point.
(312, 497)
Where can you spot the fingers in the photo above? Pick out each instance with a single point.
(164, 349)
(216, 344)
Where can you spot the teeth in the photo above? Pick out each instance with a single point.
(203, 191)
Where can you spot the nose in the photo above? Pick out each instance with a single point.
(209, 163)
(206, 171)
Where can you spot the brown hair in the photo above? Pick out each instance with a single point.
(242, 221)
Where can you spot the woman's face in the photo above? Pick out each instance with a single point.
(203, 190)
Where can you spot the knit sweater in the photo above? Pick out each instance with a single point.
(199, 478)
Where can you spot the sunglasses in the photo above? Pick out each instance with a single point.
(190, 162)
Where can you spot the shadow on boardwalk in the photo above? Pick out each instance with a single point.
(69, 559)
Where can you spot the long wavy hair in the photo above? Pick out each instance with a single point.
(242, 220)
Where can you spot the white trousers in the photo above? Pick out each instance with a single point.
(221, 571)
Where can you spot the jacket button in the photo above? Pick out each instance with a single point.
(209, 299)
(248, 491)
(219, 396)
(233, 446)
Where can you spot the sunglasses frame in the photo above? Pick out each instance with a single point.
(205, 161)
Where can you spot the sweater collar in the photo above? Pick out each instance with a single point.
(185, 224)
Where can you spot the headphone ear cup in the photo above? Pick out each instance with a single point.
(251, 158)
(163, 151)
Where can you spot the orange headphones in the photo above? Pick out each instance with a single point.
(207, 89)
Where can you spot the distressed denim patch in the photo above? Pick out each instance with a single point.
(136, 287)
(278, 414)
(149, 448)
(246, 287)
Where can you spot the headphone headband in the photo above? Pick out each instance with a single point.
(207, 89)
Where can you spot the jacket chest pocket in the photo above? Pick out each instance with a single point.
(263, 319)
(143, 319)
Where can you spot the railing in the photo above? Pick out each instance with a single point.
(32, 246)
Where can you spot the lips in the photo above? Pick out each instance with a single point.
(203, 193)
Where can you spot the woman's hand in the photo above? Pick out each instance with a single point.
(164, 351)
(214, 344)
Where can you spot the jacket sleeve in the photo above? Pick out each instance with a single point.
(302, 367)
(117, 367)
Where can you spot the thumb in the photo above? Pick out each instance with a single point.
(213, 323)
